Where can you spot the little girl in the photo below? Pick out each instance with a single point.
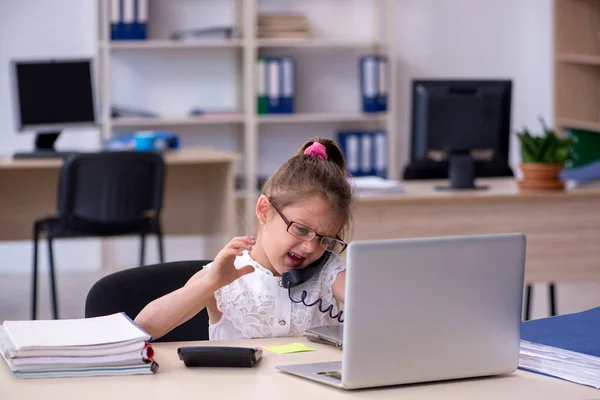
(303, 212)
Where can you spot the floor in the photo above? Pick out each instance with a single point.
(15, 303)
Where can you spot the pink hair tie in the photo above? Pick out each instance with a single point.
(316, 150)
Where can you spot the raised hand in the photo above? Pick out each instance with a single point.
(223, 271)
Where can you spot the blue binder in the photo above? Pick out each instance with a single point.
(368, 83)
(367, 160)
(349, 143)
(380, 153)
(140, 24)
(273, 85)
(116, 19)
(128, 19)
(382, 83)
(288, 78)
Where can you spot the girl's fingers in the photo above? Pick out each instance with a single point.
(242, 241)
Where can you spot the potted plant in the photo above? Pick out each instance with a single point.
(542, 159)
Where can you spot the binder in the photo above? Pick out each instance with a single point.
(368, 83)
(140, 25)
(380, 154)
(128, 19)
(274, 86)
(566, 347)
(349, 143)
(262, 101)
(116, 13)
(367, 164)
(382, 83)
(287, 67)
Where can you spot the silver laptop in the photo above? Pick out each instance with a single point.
(424, 310)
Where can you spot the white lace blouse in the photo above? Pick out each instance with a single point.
(256, 306)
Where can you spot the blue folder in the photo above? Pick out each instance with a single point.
(579, 332)
(368, 66)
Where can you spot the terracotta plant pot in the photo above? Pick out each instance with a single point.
(541, 177)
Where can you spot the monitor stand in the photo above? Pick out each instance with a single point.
(461, 172)
(44, 147)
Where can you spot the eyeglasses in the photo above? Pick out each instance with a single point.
(335, 245)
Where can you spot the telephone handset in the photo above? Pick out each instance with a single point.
(295, 277)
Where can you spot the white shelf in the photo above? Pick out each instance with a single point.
(170, 44)
(318, 43)
(182, 121)
(246, 50)
(302, 118)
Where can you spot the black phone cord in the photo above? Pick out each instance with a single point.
(319, 302)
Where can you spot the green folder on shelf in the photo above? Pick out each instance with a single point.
(262, 99)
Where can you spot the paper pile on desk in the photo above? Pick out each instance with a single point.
(372, 186)
(109, 345)
(566, 347)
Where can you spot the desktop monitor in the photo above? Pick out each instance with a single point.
(460, 130)
(51, 95)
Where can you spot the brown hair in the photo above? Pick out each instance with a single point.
(303, 176)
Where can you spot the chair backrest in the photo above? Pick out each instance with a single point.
(112, 186)
(132, 289)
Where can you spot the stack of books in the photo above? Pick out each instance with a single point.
(101, 346)
(283, 26)
(565, 347)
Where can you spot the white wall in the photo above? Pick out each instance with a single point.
(435, 38)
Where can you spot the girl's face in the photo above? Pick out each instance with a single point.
(278, 250)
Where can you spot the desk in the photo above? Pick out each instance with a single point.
(264, 382)
(199, 193)
(563, 229)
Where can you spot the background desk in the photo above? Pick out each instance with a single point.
(264, 382)
(198, 198)
(563, 229)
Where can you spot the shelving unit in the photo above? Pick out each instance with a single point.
(246, 50)
(577, 64)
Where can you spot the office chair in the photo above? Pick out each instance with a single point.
(132, 289)
(99, 195)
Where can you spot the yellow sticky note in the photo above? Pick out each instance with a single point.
(288, 348)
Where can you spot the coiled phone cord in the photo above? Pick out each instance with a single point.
(319, 302)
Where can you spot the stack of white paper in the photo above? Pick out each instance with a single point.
(109, 345)
(376, 186)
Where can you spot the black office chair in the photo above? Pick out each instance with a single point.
(99, 195)
(132, 289)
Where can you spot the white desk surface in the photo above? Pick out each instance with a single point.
(264, 382)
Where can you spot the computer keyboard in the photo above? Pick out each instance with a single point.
(43, 155)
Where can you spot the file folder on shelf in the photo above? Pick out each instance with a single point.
(128, 19)
(116, 19)
(368, 83)
(288, 77)
(262, 100)
(365, 152)
(349, 143)
(382, 83)
(274, 86)
(140, 25)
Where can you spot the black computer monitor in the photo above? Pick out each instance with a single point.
(51, 95)
(460, 130)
